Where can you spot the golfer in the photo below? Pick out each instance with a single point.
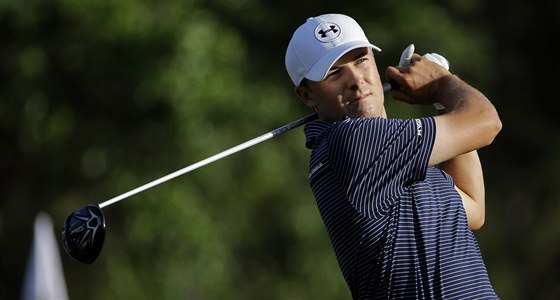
(399, 197)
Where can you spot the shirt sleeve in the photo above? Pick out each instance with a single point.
(376, 159)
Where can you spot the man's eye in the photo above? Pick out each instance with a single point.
(361, 60)
(333, 72)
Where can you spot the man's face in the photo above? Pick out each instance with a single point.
(352, 88)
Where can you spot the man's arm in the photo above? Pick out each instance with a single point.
(466, 171)
(470, 124)
(471, 121)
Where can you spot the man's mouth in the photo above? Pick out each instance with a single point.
(357, 99)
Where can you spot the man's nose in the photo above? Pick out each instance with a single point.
(355, 78)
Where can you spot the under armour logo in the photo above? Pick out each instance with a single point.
(324, 33)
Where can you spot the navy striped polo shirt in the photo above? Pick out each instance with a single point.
(398, 227)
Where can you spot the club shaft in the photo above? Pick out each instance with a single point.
(386, 88)
(212, 158)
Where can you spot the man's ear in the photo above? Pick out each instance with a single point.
(305, 95)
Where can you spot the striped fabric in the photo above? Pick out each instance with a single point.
(397, 226)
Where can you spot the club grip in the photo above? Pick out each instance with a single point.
(390, 86)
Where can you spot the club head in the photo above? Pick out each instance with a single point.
(84, 233)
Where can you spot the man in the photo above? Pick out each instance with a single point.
(397, 196)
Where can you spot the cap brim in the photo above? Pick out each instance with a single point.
(319, 71)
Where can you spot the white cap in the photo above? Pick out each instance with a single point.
(319, 43)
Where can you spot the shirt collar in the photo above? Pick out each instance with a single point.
(315, 131)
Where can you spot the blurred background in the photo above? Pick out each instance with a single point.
(99, 97)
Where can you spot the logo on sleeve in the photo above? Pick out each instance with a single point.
(418, 127)
(315, 169)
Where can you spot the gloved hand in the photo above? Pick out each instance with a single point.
(438, 59)
(406, 58)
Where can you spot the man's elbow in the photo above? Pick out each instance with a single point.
(476, 223)
(496, 125)
(474, 212)
(493, 125)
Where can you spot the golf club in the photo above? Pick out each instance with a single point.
(84, 229)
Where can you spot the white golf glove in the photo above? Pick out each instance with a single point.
(406, 58)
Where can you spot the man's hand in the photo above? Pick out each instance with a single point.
(422, 82)
(406, 59)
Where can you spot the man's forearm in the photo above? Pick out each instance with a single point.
(466, 171)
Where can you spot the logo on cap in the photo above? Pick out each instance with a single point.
(326, 32)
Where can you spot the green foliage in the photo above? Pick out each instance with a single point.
(99, 97)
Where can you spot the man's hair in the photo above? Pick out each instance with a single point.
(304, 83)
